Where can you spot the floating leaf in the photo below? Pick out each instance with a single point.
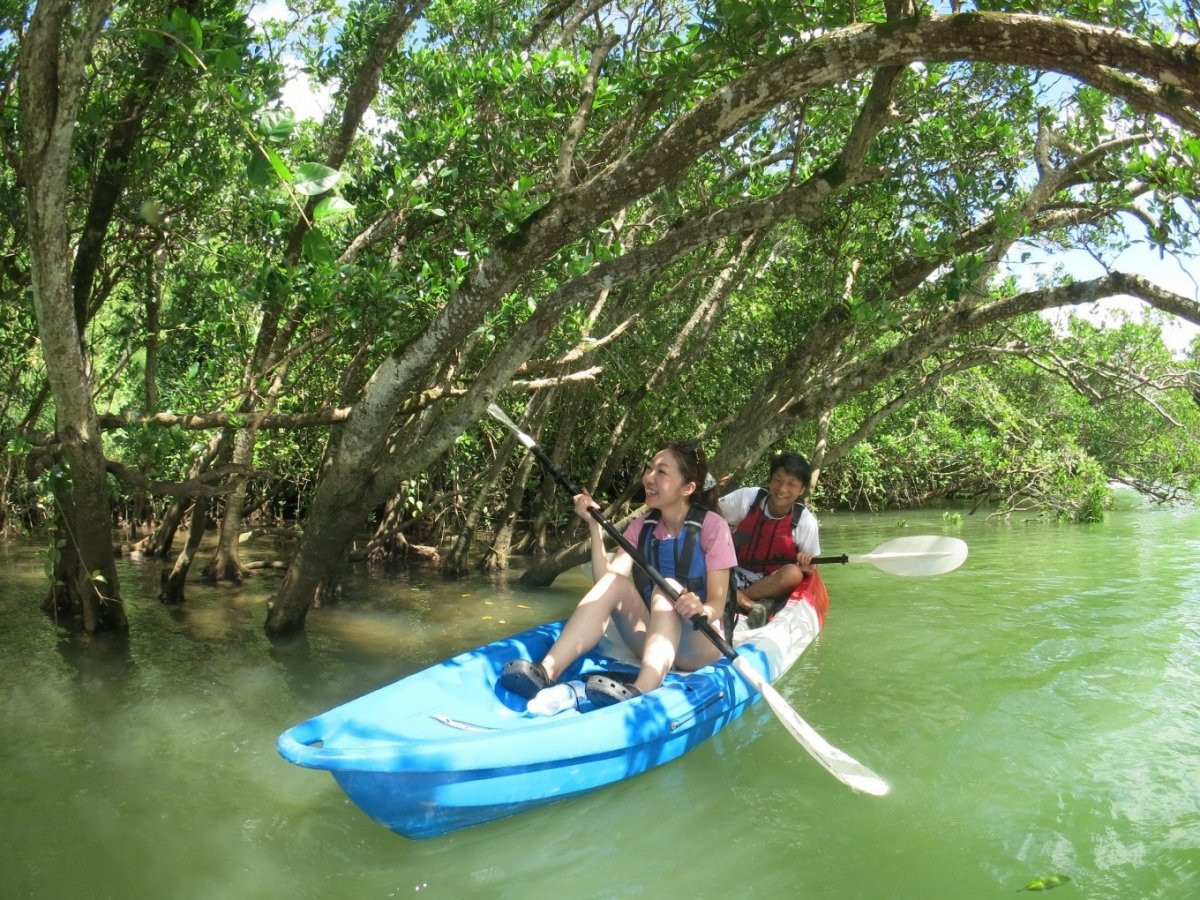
(1046, 883)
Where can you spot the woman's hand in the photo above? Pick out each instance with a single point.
(584, 502)
(689, 605)
(805, 561)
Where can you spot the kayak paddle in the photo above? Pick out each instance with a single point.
(917, 554)
(844, 768)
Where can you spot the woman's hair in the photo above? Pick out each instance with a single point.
(693, 466)
(793, 464)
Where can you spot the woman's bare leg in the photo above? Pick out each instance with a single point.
(612, 595)
(661, 646)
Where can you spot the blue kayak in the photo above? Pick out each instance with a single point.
(448, 747)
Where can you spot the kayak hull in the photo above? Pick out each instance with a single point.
(448, 747)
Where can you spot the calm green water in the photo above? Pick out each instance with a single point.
(1037, 712)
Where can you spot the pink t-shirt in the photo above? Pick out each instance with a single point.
(716, 540)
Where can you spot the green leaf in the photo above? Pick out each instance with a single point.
(1191, 146)
(267, 167)
(314, 178)
(317, 248)
(227, 59)
(279, 165)
(185, 23)
(332, 208)
(277, 125)
(258, 169)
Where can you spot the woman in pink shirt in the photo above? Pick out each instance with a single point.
(684, 540)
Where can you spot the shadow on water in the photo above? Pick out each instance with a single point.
(294, 657)
(99, 661)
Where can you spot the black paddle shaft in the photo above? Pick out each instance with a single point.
(699, 622)
(843, 559)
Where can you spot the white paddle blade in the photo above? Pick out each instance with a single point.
(500, 416)
(918, 554)
(844, 768)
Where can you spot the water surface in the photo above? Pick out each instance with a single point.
(1036, 712)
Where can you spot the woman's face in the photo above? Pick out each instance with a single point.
(664, 482)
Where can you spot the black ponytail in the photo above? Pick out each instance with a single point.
(693, 466)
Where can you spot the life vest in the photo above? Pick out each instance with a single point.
(673, 555)
(764, 544)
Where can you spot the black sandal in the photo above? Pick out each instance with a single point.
(603, 690)
(524, 678)
(757, 616)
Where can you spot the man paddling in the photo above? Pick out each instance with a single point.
(775, 534)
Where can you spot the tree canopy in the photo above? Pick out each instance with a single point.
(756, 223)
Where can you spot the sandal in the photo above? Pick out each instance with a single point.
(524, 678)
(603, 690)
(616, 675)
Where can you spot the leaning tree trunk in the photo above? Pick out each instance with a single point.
(226, 565)
(85, 593)
(173, 584)
(455, 563)
(498, 556)
(320, 557)
(158, 543)
(546, 507)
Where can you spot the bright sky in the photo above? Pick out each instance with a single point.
(1180, 276)
(298, 93)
